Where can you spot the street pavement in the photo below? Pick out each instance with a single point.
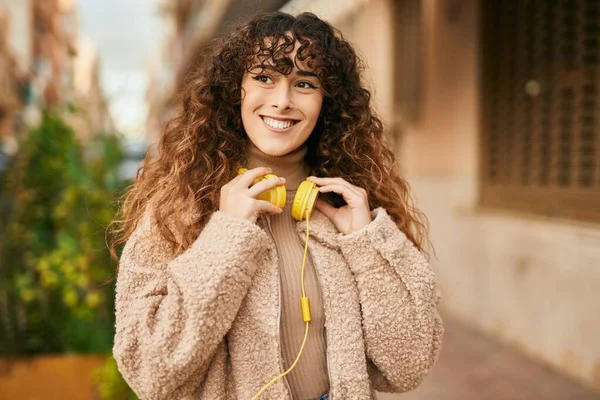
(473, 366)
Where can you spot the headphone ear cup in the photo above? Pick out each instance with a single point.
(276, 196)
(305, 199)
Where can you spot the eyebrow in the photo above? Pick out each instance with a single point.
(299, 72)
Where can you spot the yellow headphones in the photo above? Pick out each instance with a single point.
(302, 207)
(304, 200)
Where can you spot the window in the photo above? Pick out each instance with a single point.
(540, 147)
(407, 60)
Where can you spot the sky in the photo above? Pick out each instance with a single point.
(126, 33)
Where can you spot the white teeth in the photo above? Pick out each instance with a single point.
(273, 123)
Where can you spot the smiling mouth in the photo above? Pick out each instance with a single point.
(279, 124)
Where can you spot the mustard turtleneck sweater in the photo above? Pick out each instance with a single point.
(308, 380)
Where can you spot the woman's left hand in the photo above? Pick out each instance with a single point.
(351, 217)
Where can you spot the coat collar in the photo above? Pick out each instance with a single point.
(321, 229)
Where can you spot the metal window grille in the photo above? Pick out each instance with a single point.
(540, 144)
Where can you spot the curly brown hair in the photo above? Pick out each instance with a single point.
(203, 143)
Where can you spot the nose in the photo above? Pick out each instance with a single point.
(282, 97)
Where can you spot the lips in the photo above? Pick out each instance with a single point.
(279, 124)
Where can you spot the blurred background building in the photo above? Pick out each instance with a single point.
(12, 75)
(47, 62)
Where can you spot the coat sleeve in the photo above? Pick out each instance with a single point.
(401, 326)
(172, 312)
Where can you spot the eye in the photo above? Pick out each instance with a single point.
(305, 85)
(263, 78)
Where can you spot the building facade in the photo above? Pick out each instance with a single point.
(14, 55)
(493, 109)
(45, 63)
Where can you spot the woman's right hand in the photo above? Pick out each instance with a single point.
(238, 197)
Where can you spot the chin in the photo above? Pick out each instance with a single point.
(275, 151)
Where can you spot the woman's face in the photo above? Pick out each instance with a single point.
(279, 112)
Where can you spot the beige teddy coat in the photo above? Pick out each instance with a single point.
(205, 324)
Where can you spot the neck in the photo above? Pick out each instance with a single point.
(290, 166)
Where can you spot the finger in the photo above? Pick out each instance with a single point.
(266, 207)
(336, 181)
(329, 181)
(347, 193)
(325, 208)
(251, 175)
(265, 185)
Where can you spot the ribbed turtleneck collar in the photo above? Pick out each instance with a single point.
(290, 166)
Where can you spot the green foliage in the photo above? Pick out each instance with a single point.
(56, 275)
(110, 384)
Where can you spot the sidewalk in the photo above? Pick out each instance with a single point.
(475, 367)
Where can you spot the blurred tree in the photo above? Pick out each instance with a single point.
(56, 275)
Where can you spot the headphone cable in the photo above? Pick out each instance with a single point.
(305, 316)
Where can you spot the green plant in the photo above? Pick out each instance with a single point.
(56, 275)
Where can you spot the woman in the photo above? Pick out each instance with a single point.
(210, 276)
